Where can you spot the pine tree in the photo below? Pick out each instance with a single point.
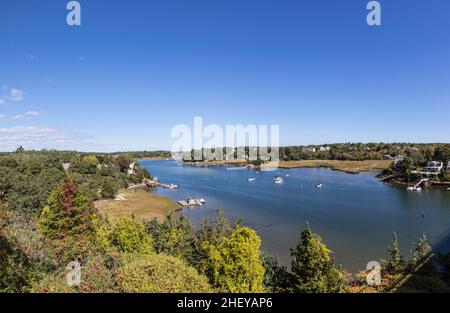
(234, 262)
(312, 267)
(420, 251)
(67, 212)
(396, 263)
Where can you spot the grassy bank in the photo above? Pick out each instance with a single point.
(140, 203)
(344, 166)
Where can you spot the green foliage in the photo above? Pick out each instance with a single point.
(276, 277)
(68, 213)
(109, 189)
(158, 273)
(130, 236)
(396, 263)
(420, 251)
(235, 261)
(174, 236)
(96, 276)
(312, 267)
(123, 161)
(84, 165)
(15, 267)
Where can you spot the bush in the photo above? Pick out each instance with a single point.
(158, 273)
(95, 277)
(130, 236)
(235, 264)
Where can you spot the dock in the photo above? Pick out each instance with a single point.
(191, 202)
(156, 183)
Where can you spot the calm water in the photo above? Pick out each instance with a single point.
(354, 214)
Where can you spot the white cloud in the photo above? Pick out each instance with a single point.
(27, 114)
(15, 94)
(2, 102)
(34, 137)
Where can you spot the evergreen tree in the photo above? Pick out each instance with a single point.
(235, 262)
(174, 236)
(210, 233)
(68, 213)
(312, 267)
(420, 251)
(396, 263)
(276, 277)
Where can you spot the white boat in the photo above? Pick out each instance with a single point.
(171, 186)
(251, 179)
(448, 189)
(319, 186)
(417, 189)
(202, 200)
(278, 180)
(287, 175)
(410, 188)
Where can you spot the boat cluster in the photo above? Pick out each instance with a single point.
(280, 180)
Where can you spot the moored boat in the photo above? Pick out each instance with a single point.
(277, 180)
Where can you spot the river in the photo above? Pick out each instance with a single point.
(353, 213)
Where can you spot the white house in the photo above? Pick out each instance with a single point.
(309, 149)
(131, 168)
(324, 149)
(434, 167)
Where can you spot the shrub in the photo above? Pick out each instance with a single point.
(130, 236)
(158, 273)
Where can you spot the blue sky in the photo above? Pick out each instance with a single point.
(135, 69)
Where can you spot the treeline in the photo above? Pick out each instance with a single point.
(157, 154)
(27, 177)
(419, 153)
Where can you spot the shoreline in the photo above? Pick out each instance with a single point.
(350, 167)
(141, 203)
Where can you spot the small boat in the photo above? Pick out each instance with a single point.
(448, 189)
(417, 189)
(202, 200)
(278, 180)
(410, 188)
(251, 179)
(319, 186)
(171, 186)
(287, 175)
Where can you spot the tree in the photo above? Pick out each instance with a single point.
(210, 233)
(158, 273)
(130, 236)
(235, 261)
(276, 277)
(108, 188)
(15, 267)
(396, 263)
(174, 236)
(407, 166)
(312, 267)
(123, 161)
(68, 213)
(420, 251)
